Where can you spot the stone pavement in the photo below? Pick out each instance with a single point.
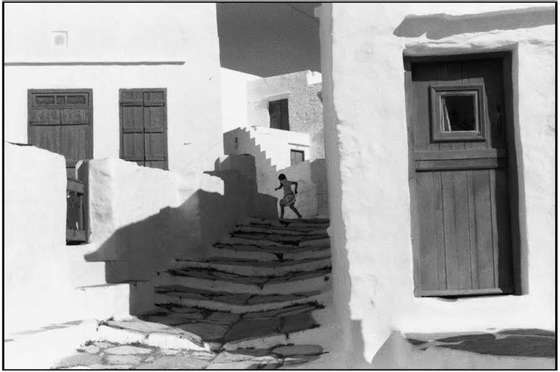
(110, 355)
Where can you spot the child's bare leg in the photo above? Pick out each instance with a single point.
(292, 207)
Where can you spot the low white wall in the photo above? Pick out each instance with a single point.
(366, 137)
(142, 219)
(46, 281)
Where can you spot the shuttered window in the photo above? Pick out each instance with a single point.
(143, 122)
(61, 121)
(279, 114)
(296, 157)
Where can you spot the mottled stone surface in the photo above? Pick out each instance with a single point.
(127, 350)
(117, 356)
(175, 362)
(123, 359)
(80, 359)
(291, 350)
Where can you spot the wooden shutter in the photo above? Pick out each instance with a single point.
(144, 126)
(296, 157)
(61, 121)
(279, 114)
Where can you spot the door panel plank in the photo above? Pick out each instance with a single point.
(154, 119)
(133, 119)
(133, 146)
(483, 230)
(432, 259)
(504, 269)
(46, 137)
(456, 230)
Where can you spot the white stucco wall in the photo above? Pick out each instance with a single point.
(234, 98)
(367, 162)
(114, 46)
(46, 281)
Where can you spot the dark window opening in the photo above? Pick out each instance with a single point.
(458, 112)
(296, 157)
(279, 115)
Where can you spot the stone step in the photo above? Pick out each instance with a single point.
(254, 252)
(295, 334)
(231, 302)
(279, 238)
(222, 327)
(210, 279)
(275, 245)
(138, 331)
(255, 267)
(292, 222)
(278, 230)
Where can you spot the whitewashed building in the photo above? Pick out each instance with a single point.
(440, 142)
(439, 133)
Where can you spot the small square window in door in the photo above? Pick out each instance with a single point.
(457, 113)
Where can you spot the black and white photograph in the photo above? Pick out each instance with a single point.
(279, 185)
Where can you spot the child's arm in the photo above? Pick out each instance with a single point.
(295, 183)
(278, 188)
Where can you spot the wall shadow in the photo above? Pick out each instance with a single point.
(438, 26)
(136, 252)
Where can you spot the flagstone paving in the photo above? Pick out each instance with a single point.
(108, 355)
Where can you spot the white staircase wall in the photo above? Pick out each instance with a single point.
(271, 149)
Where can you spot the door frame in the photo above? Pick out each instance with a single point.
(513, 171)
(89, 91)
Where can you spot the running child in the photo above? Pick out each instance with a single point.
(289, 198)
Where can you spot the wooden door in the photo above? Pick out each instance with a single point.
(460, 183)
(143, 117)
(61, 121)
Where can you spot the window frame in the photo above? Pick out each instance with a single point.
(437, 92)
(302, 152)
(277, 100)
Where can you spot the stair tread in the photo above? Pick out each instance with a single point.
(279, 238)
(222, 327)
(279, 230)
(230, 298)
(174, 312)
(253, 263)
(213, 274)
(252, 245)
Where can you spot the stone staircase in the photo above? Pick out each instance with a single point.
(258, 287)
